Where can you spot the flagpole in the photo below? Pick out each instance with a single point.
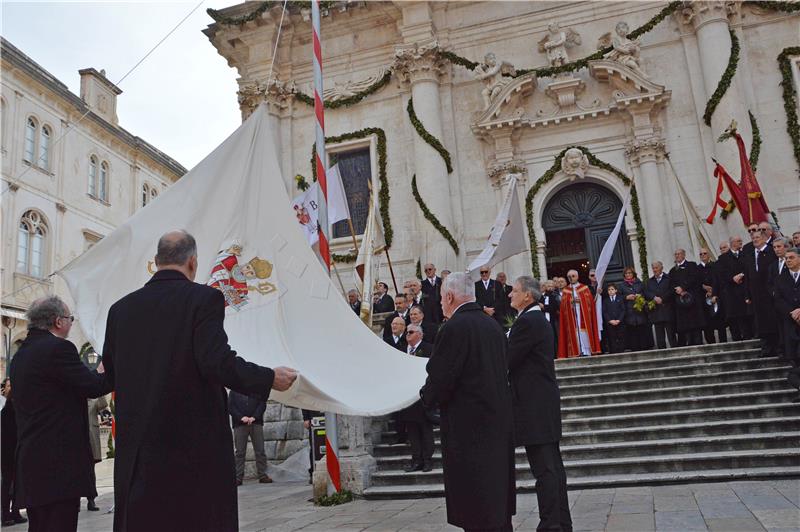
(352, 233)
(331, 440)
(391, 270)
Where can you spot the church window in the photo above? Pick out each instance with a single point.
(44, 148)
(92, 183)
(355, 167)
(102, 187)
(30, 139)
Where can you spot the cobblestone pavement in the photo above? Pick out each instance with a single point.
(731, 506)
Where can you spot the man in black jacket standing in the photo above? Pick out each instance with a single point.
(662, 317)
(247, 417)
(51, 385)
(684, 280)
(432, 294)
(537, 403)
(757, 264)
(176, 472)
(732, 291)
(468, 380)
(382, 301)
(8, 429)
(417, 424)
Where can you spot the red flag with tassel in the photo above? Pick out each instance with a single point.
(753, 206)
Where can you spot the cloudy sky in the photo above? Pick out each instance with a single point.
(181, 99)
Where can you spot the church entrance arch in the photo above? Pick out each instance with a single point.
(577, 221)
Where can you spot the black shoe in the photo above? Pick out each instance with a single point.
(427, 466)
(18, 519)
(91, 506)
(413, 466)
(8, 522)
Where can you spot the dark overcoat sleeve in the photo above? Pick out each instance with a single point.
(235, 406)
(66, 367)
(444, 367)
(216, 360)
(261, 407)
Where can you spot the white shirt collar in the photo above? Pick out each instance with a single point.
(762, 248)
(410, 347)
(396, 338)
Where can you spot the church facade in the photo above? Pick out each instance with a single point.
(432, 105)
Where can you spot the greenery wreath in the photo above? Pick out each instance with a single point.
(594, 161)
(383, 193)
(426, 212)
(789, 96)
(725, 81)
(432, 141)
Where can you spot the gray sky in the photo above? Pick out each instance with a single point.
(181, 99)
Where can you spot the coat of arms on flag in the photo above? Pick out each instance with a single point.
(234, 279)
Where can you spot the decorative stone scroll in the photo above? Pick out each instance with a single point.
(419, 62)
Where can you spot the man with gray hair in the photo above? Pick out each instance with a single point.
(537, 403)
(165, 345)
(418, 426)
(51, 386)
(468, 380)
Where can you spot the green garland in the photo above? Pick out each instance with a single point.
(383, 194)
(302, 184)
(789, 97)
(725, 81)
(594, 161)
(257, 12)
(785, 7)
(344, 259)
(755, 147)
(419, 269)
(431, 218)
(432, 141)
(350, 100)
(458, 60)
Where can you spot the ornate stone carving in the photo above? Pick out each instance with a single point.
(340, 91)
(555, 43)
(60, 207)
(419, 62)
(498, 172)
(565, 91)
(13, 187)
(492, 74)
(574, 163)
(698, 13)
(643, 150)
(626, 51)
(276, 92)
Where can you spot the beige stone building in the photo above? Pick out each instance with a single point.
(71, 174)
(563, 74)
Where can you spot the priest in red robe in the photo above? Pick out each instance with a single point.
(578, 333)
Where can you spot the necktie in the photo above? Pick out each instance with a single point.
(412, 350)
(780, 266)
(796, 275)
(757, 255)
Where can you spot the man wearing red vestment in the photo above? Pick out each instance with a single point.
(578, 334)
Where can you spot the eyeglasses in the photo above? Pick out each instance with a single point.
(70, 318)
(701, 254)
(484, 273)
(429, 269)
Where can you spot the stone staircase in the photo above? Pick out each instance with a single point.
(695, 414)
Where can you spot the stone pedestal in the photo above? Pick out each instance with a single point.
(356, 464)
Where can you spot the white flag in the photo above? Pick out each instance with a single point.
(306, 210)
(605, 257)
(282, 309)
(338, 209)
(507, 237)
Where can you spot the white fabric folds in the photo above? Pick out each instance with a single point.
(282, 309)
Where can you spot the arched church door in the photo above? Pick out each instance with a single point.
(577, 222)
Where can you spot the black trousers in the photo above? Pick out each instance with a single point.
(741, 328)
(551, 486)
(665, 331)
(420, 436)
(9, 509)
(638, 337)
(690, 337)
(711, 338)
(614, 336)
(61, 516)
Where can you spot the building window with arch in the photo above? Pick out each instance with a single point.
(44, 148)
(102, 186)
(31, 126)
(91, 188)
(355, 167)
(149, 193)
(32, 233)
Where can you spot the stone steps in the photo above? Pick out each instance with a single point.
(714, 412)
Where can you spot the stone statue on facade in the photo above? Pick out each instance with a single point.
(625, 51)
(493, 75)
(555, 44)
(341, 91)
(574, 163)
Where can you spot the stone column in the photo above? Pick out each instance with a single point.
(356, 464)
(420, 66)
(709, 20)
(643, 157)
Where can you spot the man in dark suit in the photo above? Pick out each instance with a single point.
(247, 418)
(401, 309)
(537, 403)
(712, 308)
(431, 294)
(684, 280)
(468, 380)
(382, 301)
(732, 291)
(787, 303)
(614, 320)
(757, 265)
(551, 306)
(174, 467)
(418, 426)
(8, 444)
(51, 385)
(397, 337)
(487, 294)
(354, 302)
(662, 317)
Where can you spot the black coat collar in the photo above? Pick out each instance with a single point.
(167, 275)
(466, 307)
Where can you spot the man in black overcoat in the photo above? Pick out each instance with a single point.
(537, 403)
(787, 304)
(382, 302)
(418, 427)
(401, 309)
(51, 386)
(715, 315)
(757, 264)
(8, 449)
(685, 281)
(165, 345)
(662, 317)
(732, 291)
(468, 380)
(432, 294)
(488, 295)
(397, 336)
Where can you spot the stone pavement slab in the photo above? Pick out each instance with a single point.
(757, 506)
